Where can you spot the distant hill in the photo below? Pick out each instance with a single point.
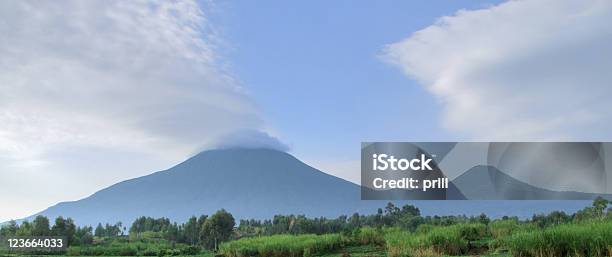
(489, 183)
(257, 183)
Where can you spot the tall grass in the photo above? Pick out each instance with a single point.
(367, 236)
(451, 240)
(282, 246)
(402, 243)
(591, 238)
(132, 247)
(503, 228)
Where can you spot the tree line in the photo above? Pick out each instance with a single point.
(205, 231)
(209, 231)
(40, 226)
(407, 217)
(109, 230)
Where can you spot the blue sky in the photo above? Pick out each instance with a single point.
(314, 68)
(93, 93)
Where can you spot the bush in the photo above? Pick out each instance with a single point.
(149, 252)
(190, 250)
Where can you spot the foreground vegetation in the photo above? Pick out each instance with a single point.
(392, 232)
(543, 236)
(139, 247)
(283, 245)
(593, 238)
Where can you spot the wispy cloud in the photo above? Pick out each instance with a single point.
(84, 84)
(522, 70)
(248, 138)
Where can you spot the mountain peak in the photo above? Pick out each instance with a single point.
(243, 150)
(241, 159)
(249, 139)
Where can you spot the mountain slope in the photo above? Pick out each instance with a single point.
(248, 183)
(489, 183)
(257, 183)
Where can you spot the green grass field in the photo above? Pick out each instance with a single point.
(283, 245)
(592, 238)
(501, 238)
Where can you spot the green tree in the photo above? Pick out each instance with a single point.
(99, 232)
(599, 206)
(192, 231)
(64, 227)
(83, 236)
(557, 217)
(410, 210)
(25, 229)
(596, 211)
(355, 221)
(391, 209)
(218, 228)
(173, 233)
(40, 226)
(113, 230)
(9, 229)
(201, 221)
(482, 218)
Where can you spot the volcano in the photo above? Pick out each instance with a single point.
(258, 183)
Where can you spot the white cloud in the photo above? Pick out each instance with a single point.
(522, 70)
(94, 92)
(248, 138)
